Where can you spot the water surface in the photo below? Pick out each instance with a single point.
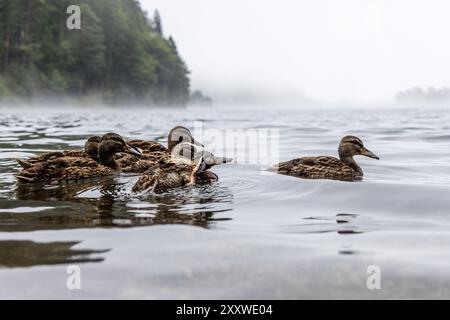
(250, 235)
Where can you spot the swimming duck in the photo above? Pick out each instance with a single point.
(76, 166)
(90, 150)
(344, 168)
(154, 151)
(175, 172)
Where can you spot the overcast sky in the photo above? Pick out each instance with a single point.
(347, 50)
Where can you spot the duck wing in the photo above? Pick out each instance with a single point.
(133, 164)
(64, 168)
(316, 168)
(164, 175)
(152, 152)
(28, 163)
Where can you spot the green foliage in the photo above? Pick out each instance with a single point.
(157, 23)
(119, 52)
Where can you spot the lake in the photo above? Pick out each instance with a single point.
(251, 235)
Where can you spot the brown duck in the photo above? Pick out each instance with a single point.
(78, 165)
(175, 172)
(345, 168)
(153, 151)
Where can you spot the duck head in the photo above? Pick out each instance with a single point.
(351, 146)
(179, 135)
(110, 144)
(191, 152)
(91, 147)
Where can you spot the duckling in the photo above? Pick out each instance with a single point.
(177, 172)
(72, 167)
(90, 150)
(154, 151)
(344, 168)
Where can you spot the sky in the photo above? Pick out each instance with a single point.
(324, 50)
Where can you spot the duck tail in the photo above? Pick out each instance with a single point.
(274, 168)
(23, 164)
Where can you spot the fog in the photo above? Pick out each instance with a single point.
(329, 51)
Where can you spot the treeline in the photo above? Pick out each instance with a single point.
(119, 53)
(430, 94)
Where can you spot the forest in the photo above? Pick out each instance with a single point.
(118, 54)
(430, 94)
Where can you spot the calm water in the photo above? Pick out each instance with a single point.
(251, 235)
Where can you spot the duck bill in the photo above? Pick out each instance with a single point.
(196, 143)
(367, 153)
(133, 150)
(222, 160)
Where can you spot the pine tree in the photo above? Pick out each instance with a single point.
(117, 53)
(157, 23)
(89, 45)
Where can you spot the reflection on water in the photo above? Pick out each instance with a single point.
(107, 203)
(345, 224)
(14, 254)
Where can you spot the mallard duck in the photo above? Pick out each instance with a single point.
(76, 166)
(344, 168)
(175, 172)
(154, 151)
(90, 150)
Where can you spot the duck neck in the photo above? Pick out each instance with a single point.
(171, 145)
(348, 160)
(175, 149)
(93, 155)
(108, 161)
(92, 151)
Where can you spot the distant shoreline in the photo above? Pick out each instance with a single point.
(117, 54)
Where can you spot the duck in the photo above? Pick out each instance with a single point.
(153, 151)
(176, 172)
(323, 167)
(90, 150)
(74, 166)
